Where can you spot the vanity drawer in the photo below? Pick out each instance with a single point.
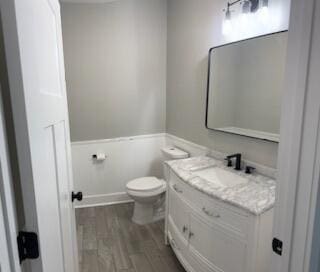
(223, 214)
(218, 212)
(189, 194)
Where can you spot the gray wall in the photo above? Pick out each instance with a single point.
(194, 27)
(118, 56)
(115, 59)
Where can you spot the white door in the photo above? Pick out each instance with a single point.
(33, 42)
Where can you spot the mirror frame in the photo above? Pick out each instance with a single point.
(208, 84)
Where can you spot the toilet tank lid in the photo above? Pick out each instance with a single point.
(175, 153)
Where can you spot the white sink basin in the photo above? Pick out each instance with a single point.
(220, 177)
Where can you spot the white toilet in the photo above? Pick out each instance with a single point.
(149, 192)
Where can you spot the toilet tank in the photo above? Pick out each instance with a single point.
(173, 153)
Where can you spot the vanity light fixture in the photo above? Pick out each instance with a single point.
(247, 8)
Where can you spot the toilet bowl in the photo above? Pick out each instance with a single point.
(145, 192)
(148, 193)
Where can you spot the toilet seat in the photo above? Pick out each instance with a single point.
(146, 187)
(145, 184)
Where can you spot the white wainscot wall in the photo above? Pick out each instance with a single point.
(104, 182)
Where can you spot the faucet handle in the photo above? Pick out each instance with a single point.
(229, 161)
(249, 169)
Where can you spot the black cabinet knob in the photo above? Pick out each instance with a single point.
(78, 196)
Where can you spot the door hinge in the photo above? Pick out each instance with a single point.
(277, 246)
(28, 245)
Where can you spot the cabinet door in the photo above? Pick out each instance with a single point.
(214, 248)
(178, 214)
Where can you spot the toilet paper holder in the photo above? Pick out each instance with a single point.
(95, 156)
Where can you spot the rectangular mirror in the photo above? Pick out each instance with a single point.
(245, 81)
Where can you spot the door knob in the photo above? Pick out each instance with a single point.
(78, 196)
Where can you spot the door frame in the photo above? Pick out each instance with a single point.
(12, 51)
(4, 243)
(8, 219)
(298, 160)
(5, 259)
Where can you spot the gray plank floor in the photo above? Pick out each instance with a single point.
(110, 242)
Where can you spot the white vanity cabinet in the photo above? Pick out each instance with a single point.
(209, 235)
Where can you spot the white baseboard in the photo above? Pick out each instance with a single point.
(103, 200)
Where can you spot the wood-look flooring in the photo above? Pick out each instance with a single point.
(110, 242)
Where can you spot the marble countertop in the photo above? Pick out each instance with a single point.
(256, 196)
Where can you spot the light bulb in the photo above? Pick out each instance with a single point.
(227, 27)
(227, 24)
(263, 14)
(244, 21)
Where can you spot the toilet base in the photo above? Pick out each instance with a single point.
(144, 214)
